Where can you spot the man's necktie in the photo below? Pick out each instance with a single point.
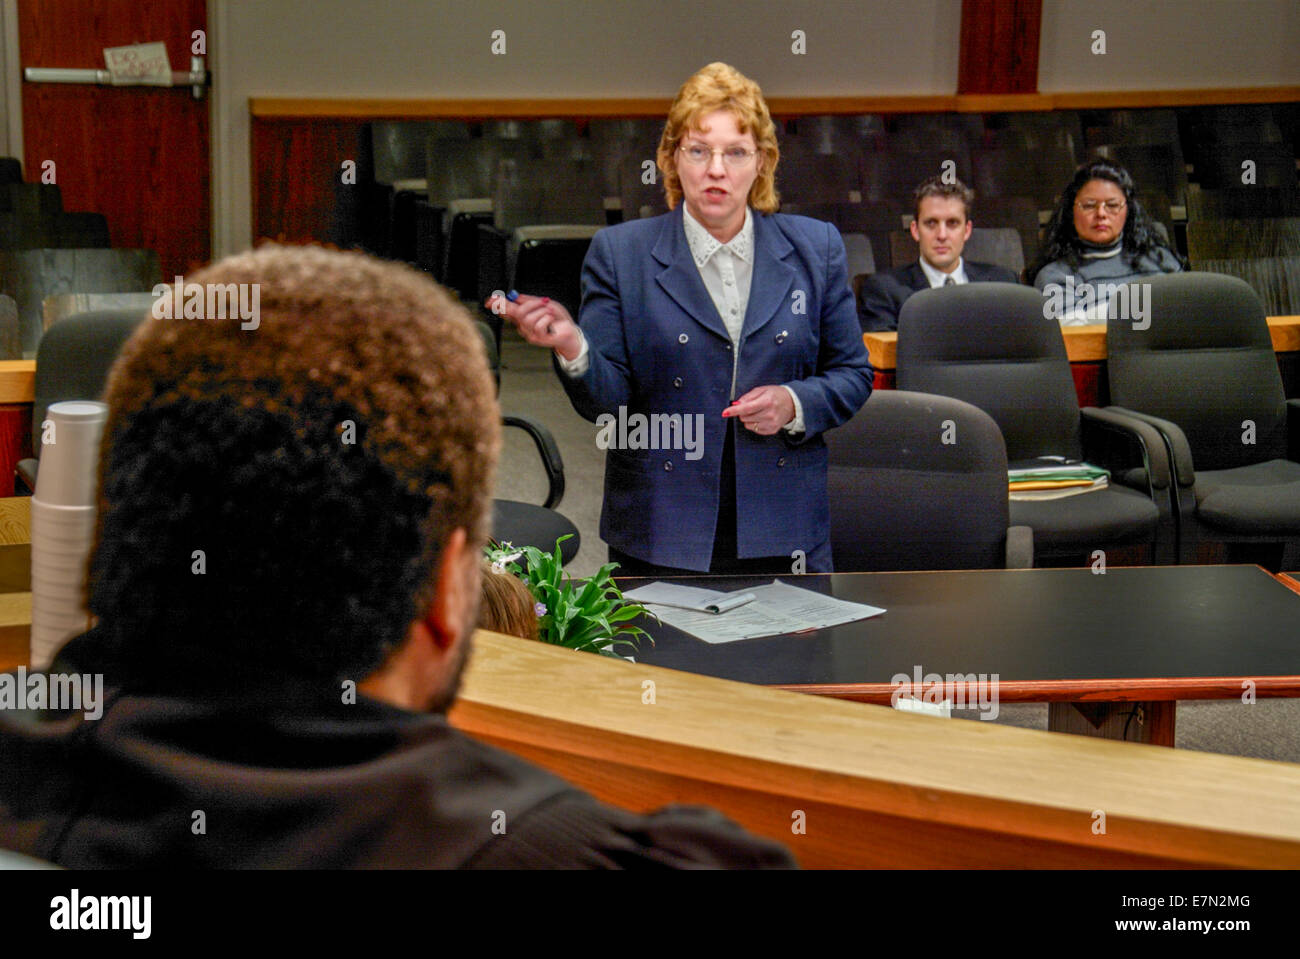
(949, 281)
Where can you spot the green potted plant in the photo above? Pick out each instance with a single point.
(591, 615)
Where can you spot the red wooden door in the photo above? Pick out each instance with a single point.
(138, 155)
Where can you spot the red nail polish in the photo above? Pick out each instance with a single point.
(546, 299)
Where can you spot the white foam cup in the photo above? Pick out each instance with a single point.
(69, 453)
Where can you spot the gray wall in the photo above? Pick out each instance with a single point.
(634, 48)
(1169, 44)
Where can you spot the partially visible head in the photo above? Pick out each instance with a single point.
(942, 224)
(507, 607)
(1099, 206)
(289, 501)
(719, 88)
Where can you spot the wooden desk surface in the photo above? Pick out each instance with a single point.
(1083, 344)
(879, 787)
(1048, 635)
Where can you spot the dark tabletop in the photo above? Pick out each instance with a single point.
(1024, 625)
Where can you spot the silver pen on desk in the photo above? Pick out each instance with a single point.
(731, 602)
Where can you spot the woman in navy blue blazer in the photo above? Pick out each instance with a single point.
(715, 345)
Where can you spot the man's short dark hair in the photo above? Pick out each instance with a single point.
(275, 500)
(936, 186)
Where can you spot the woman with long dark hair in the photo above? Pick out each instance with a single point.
(1099, 239)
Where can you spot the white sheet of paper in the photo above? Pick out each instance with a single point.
(778, 608)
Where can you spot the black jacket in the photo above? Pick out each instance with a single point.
(883, 294)
(187, 772)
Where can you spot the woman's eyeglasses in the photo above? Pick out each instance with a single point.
(731, 156)
(1090, 206)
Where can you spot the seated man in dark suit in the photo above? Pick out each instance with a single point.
(942, 227)
(286, 576)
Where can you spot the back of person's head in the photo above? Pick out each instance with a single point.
(944, 189)
(274, 499)
(719, 86)
(506, 605)
(1061, 239)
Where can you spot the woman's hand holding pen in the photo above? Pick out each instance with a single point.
(540, 320)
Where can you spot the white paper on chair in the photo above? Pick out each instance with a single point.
(776, 609)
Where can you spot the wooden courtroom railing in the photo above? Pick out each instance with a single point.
(1084, 345)
(875, 787)
(406, 108)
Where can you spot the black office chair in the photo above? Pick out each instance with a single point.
(1205, 375)
(919, 481)
(72, 363)
(990, 344)
(527, 524)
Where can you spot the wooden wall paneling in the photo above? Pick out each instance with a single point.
(998, 51)
(297, 175)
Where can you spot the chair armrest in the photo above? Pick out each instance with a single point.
(1293, 430)
(1180, 453)
(25, 473)
(1108, 424)
(549, 453)
(1020, 547)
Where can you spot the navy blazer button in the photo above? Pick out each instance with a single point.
(727, 347)
(669, 466)
(781, 461)
(677, 382)
(683, 338)
(780, 337)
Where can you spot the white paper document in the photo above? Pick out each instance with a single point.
(775, 609)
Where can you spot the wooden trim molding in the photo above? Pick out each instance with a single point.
(1085, 690)
(1083, 344)
(395, 108)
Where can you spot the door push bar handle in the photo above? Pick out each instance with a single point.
(196, 79)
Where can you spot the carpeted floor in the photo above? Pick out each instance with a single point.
(1266, 729)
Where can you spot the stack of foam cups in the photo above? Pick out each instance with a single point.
(63, 524)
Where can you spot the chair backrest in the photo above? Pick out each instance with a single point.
(81, 231)
(992, 345)
(29, 276)
(1000, 245)
(11, 347)
(857, 248)
(400, 147)
(891, 177)
(1156, 169)
(917, 481)
(75, 356)
(60, 306)
(1206, 362)
(533, 192)
(819, 178)
(1275, 279)
(1242, 238)
(641, 199)
(466, 169)
(1224, 165)
(1020, 213)
(1243, 202)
